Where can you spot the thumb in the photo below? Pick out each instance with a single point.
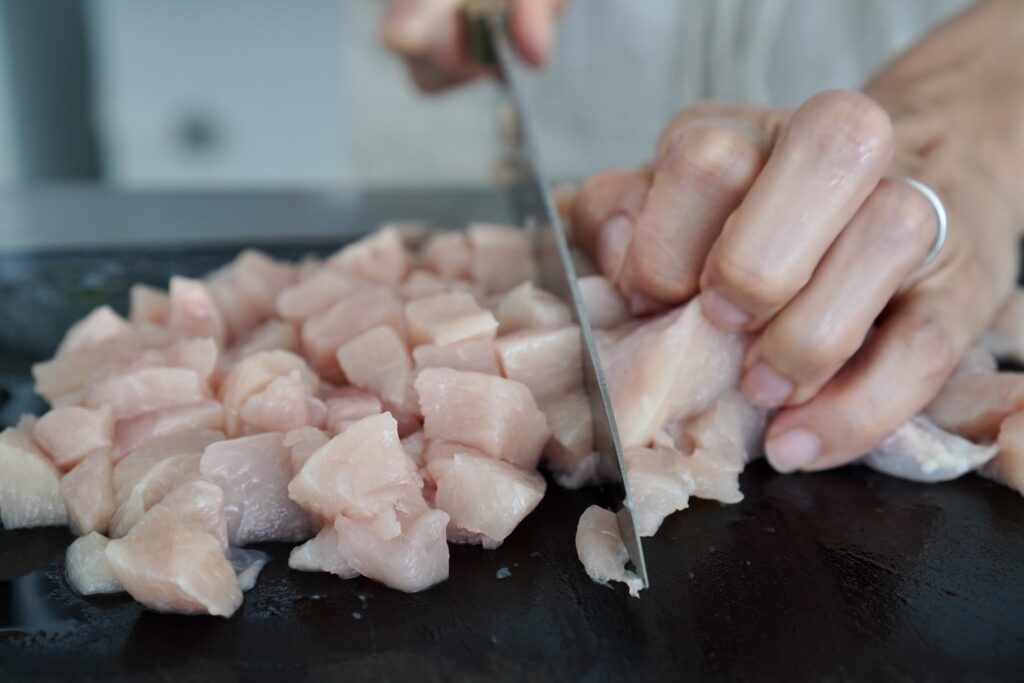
(532, 27)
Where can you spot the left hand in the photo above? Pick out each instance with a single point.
(790, 226)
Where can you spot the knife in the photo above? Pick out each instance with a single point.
(531, 201)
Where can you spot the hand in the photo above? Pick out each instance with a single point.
(428, 34)
(791, 227)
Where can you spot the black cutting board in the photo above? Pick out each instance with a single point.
(845, 575)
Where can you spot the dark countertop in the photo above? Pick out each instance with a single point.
(845, 575)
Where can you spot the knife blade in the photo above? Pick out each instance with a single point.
(531, 201)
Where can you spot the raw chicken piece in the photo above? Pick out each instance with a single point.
(101, 328)
(974, 407)
(247, 565)
(246, 290)
(254, 472)
(320, 554)
(303, 443)
(29, 483)
(379, 257)
(148, 305)
(501, 256)
(273, 335)
(87, 568)
(421, 283)
(377, 361)
(526, 307)
(445, 319)
(70, 433)
(174, 559)
(362, 473)
(660, 483)
(148, 474)
(200, 355)
(474, 355)
(668, 368)
(485, 498)
(604, 304)
(271, 391)
(495, 415)
(352, 315)
(193, 311)
(88, 492)
(447, 254)
(134, 432)
(1005, 338)
(730, 430)
(569, 453)
(315, 294)
(548, 361)
(348, 405)
(1007, 468)
(601, 550)
(147, 389)
(413, 560)
(921, 451)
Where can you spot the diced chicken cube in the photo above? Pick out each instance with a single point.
(525, 307)
(569, 453)
(315, 294)
(193, 311)
(421, 283)
(88, 492)
(974, 407)
(414, 446)
(246, 290)
(501, 256)
(495, 415)
(174, 559)
(141, 391)
(271, 391)
(29, 483)
(447, 254)
(413, 560)
(70, 433)
(474, 355)
(134, 432)
(378, 257)
(601, 550)
(445, 319)
(87, 568)
(273, 335)
(485, 497)
(302, 443)
(254, 472)
(604, 304)
(377, 361)
(148, 305)
(548, 361)
(352, 315)
(321, 554)
(348, 405)
(101, 328)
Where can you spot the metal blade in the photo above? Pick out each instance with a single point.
(535, 208)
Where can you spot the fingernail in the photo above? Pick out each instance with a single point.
(612, 245)
(410, 26)
(765, 387)
(723, 312)
(792, 450)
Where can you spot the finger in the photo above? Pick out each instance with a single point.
(827, 321)
(603, 215)
(705, 168)
(903, 365)
(532, 28)
(827, 160)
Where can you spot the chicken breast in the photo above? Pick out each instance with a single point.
(147, 389)
(472, 355)
(139, 430)
(444, 319)
(601, 550)
(321, 554)
(422, 283)
(302, 443)
(548, 361)
(1007, 467)
(70, 433)
(273, 335)
(315, 294)
(921, 451)
(412, 560)
(379, 257)
(246, 290)
(569, 453)
(174, 559)
(193, 312)
(88, 492)
(501, 256)
(377, 361)
(271, 391)
(347, 405)
(974, 407)
(525, 307)
(254, 473)
(29, 483)
(247, 565)
(660, 483)
(495, 415)
(148, 305)
(485, 498)
(87, 568)
(448, 255)
(352, 315)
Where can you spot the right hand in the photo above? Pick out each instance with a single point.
(428, 35)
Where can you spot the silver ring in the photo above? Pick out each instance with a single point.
(940, 217)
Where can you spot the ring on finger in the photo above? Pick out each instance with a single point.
(940, 216)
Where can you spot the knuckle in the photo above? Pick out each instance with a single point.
(753, 280)
(714, 155)
(846, 124)
(907, 215)
(935, 347)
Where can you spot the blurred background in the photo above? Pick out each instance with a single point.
(271, 93)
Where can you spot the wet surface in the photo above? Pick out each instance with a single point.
(845, 575)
